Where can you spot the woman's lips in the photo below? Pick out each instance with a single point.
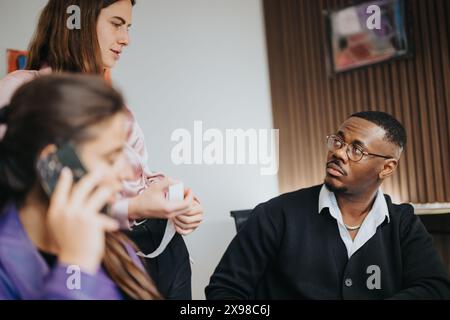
(116, 54)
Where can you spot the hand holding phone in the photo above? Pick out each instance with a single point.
(75, 222)
(50, 168)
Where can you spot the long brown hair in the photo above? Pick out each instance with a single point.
(63, 49)
(53, 110)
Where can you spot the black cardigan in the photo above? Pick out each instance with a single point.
(287, 250)
(171, 270)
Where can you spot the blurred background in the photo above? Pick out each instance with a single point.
(254, 64)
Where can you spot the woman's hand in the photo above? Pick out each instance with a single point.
(75, 221)
(188, 222)
(153, 203)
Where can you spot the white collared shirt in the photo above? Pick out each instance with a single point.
(374, 218)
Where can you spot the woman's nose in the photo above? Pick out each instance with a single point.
(124, 38)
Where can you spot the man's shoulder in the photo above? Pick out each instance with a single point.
(299, 199)
(401, 214)
(400, 209)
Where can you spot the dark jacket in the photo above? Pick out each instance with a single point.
(171, 270)
(287, 250)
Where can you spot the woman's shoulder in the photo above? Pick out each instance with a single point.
(14, 80)
(18, 77)
(10, 83)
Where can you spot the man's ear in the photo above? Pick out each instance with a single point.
(388, 169)
(48, 149)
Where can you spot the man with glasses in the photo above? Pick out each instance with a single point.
(340, 240)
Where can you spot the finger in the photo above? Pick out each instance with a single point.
(99, 199)
(108, 224)
(189, 195)
(196, 200)
(60, 196)
(179, 207)
(162, 184)
(194, 210)
(86, 185)
(173, 214)
(186, 202)
(186, 226)
(173, 181)
(183, 232)
(175, 208)
(189, 218)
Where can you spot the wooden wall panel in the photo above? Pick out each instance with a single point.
(308, 104)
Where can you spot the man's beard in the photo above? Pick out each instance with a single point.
(334, 189)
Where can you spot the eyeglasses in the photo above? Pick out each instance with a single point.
(354, 152)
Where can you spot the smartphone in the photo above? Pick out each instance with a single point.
(50, 167)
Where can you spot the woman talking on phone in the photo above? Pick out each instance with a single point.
(58, 245)
(95, 49)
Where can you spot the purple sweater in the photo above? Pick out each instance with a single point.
(24, 274)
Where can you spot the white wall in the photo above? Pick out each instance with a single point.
(18, 19)
(190, 60)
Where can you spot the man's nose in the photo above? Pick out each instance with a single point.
(341, 154)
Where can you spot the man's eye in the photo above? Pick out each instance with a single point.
(357, 151)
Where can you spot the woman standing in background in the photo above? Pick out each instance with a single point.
(95, 49)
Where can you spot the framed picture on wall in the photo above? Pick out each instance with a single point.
(17, 60)
(365, 34)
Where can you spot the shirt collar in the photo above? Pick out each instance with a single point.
(327, 199)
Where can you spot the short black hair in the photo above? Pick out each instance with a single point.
(395, 132)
